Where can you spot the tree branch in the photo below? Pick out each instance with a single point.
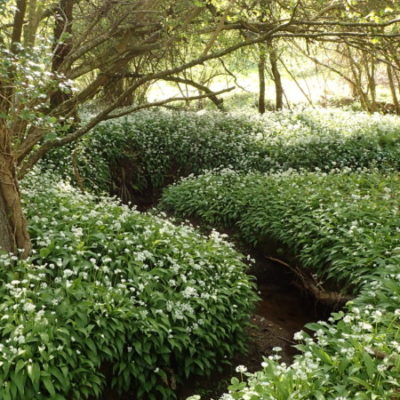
(51, 144)
(131, 110)
(38, 154)
(348, 24)
(317, 35)
(212, 95)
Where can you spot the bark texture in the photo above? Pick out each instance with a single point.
(13, 230)
(273, 58)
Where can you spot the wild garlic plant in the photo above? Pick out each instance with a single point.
(110, 289)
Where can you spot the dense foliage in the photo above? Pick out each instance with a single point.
(344, 226)
(112, 294)
(355, 355)
(97, 295)
(156, 148)
(110, 289)
(149, 150)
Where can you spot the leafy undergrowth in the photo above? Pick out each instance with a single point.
(345, 227)
(152, 149)
(108, 287)
(139, 155)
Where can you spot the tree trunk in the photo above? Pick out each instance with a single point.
(13, 229)
(33, 19)
(273, 58)
(18, 24)
(357, 73)
(261, 80)
(5, 233)
(370, 72)
(393, 89)
(62, 46)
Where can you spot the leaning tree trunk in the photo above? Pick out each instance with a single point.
(273, 58)
(13, 228)
(393, 89)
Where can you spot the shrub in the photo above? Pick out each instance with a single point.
(343, 226)
(108, 288)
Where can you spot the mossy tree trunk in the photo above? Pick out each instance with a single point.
(13, 229)
(14, 236)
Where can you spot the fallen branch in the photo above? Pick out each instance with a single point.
(307, 282)
(212, 95)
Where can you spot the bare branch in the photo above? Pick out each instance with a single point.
(348, 24)
(212, 95)
(234, 77)
(131, 110)
(217, 31)
(317, 35)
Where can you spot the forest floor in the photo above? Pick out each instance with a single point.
(282, 311)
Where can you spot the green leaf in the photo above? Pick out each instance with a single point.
(44, 252)
(19, 380)
(360, 382)
(34, 372)
(20, 365)
(60, 377)
(49, 385)
(369, 363)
